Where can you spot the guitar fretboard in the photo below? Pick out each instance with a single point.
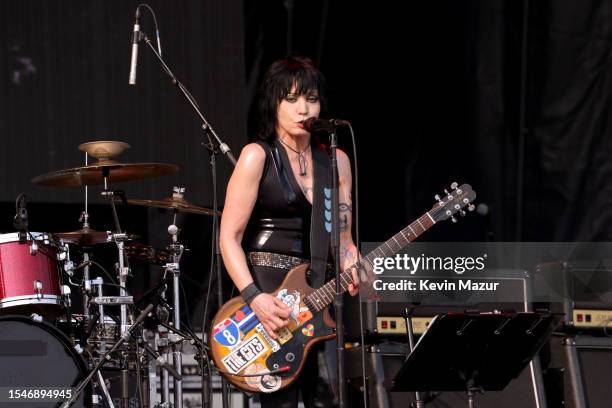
(323, 296)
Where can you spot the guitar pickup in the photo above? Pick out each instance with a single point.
(284, 335)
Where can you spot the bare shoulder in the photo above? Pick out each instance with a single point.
(253, 151)
(343, 157)
(252, 159)
(344, 165)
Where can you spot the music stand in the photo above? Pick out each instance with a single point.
(473, 352)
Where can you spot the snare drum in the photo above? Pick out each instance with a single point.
(30, 276)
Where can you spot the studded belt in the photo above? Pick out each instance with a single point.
(274, 260)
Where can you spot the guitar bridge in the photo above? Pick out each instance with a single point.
(284, 335)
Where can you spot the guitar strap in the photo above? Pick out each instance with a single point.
(321, 218)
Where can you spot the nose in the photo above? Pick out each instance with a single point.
(302, 106)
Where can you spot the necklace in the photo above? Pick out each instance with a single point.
(301, 157)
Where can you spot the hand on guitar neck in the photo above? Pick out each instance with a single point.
(271, 312)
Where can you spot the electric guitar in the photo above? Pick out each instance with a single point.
(247, 355)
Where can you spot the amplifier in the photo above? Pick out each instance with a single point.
(584, 292)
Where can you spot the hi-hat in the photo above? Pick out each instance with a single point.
(84, 236)
(174, 203)
(94, 173)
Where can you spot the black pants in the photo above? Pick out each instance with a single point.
(314, 391)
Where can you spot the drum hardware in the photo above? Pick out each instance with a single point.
(113, 300)
(66, 292)
(125, 335)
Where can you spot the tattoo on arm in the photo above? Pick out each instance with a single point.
(347, 254)
(345, 209)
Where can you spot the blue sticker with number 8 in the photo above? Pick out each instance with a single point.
(226, 333)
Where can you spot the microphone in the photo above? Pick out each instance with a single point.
(20, 221)
(135, 39)
(323, 125)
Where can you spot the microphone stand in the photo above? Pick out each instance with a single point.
(214, 145)
(339, 297)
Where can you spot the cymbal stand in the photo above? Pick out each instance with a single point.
(163, 345)
(174, 268)
(85, 219)
(119, 238)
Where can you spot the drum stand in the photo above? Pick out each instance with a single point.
(174, 268)
(172, 338)
(123, 271)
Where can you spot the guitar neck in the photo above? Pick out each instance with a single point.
(323, 296)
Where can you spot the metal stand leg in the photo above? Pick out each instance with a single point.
(165, 381)
(575, 373)
(177, 348)
(102, 386)
(418, 402)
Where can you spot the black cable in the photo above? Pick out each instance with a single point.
(108, 275)
(156, 27)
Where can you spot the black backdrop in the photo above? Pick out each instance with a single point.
(510, 96)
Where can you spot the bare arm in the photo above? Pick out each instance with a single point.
(348, 250)
(240, 199)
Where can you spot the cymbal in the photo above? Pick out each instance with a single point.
(174, 203)
(94, 173)
(105, 149)
(84, 236)
(147, 253)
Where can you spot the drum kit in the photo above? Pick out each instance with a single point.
(49, 343)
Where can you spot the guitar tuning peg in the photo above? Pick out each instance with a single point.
(446, 192)
(471, 207)
(454, 185)
(457, 207)
(437, 197)
(453, 219)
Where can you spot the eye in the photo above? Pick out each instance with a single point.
(313, 98)
(291, 98)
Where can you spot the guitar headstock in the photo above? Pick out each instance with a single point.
(458, 198)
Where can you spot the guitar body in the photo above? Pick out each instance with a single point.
(240, 345)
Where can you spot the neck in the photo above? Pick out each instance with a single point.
(299, 143)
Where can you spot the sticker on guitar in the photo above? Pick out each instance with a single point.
(244, 354)
(226, 333)
(265, 382)
(299, 314)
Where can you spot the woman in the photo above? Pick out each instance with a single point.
(272, 200)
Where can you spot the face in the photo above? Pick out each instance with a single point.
(293, 110)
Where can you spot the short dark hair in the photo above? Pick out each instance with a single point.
(276, 85)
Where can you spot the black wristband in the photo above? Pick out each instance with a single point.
(249, 293)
